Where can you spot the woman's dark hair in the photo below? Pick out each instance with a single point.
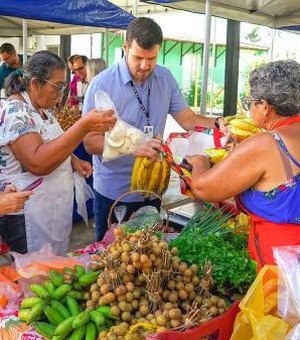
(278, 83)
(145, 31)
(40, 65)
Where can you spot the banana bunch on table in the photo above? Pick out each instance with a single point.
(241, 126)
(150, 175)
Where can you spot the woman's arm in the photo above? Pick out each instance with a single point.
(245, 166)
(41, 158)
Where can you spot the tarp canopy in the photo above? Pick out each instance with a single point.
(272, 13)
(61, 16)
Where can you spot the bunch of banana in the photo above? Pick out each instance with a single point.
(150, 175)
(241, 126)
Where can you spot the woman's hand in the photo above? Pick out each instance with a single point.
(150, 149)
(12, 201)
(83, 167)
(199, 163)
(100, 121)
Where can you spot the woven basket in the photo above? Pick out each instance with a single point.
(141, 192)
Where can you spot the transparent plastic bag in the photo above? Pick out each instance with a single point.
(288, 261)
(83, 192)
(123, 139)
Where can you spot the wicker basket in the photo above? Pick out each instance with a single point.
(141, 192)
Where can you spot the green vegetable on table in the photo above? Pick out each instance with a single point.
(206, 239)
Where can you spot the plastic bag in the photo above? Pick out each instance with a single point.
(83, 192)
(181, 144)
(123, 138)
(288, 261)
(40, 262)
(258, 316)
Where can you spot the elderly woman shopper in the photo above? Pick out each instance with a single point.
(32, 144)
(263, 171)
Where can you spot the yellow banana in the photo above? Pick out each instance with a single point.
(155, 176)
(243, 124)
(243, 134)
(216, 155)
(165, 177)
(134, 175)
(144, 173)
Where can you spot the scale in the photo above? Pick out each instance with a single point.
(180, 214)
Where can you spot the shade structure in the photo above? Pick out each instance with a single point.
(61, 17)
(272, 13)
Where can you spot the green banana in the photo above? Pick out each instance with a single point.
(45, 329)
(54, 317)
(30, 302)
(89, 278)
(60, 308)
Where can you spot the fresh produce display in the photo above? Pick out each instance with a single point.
(150, 288)
(150, 175)
(241, 126)
(58, 309)
(67, 115)
(206, 238)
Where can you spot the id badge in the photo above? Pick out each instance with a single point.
(149, 131)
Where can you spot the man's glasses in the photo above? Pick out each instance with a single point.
(61, 88)
(246, 102)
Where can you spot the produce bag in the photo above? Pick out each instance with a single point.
(40, 262)
(123, 139)
(182, 144)
(258, 316)
(83, 192)
(288, 261)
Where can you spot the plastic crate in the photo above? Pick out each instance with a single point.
(218, 328)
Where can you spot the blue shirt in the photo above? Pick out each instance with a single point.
(160, 95)
(5, 71)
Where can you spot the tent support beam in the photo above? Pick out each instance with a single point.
(206, 56)
(231, 67)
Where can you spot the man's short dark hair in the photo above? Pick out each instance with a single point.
(8, 48)
(145, 31)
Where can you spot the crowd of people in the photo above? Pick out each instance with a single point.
(262, 172)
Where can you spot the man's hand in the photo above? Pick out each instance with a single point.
(151, 149)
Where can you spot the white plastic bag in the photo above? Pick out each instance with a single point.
(83, 192)
(288, 261)
(123, 138)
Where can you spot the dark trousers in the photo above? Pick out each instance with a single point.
(102, 206)
(13, 232)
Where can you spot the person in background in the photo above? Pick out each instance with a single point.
(93, 67)
(144, 94)
(73, 98)
(263, 171)
(10, 61)
(12, 201)
(32, 144)
(79, 67)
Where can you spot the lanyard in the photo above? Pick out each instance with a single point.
(146, 112)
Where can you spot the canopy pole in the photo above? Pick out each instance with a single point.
(107, 45)
(25, 40)
(205, 56)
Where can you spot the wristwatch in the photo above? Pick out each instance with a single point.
(216, 122)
